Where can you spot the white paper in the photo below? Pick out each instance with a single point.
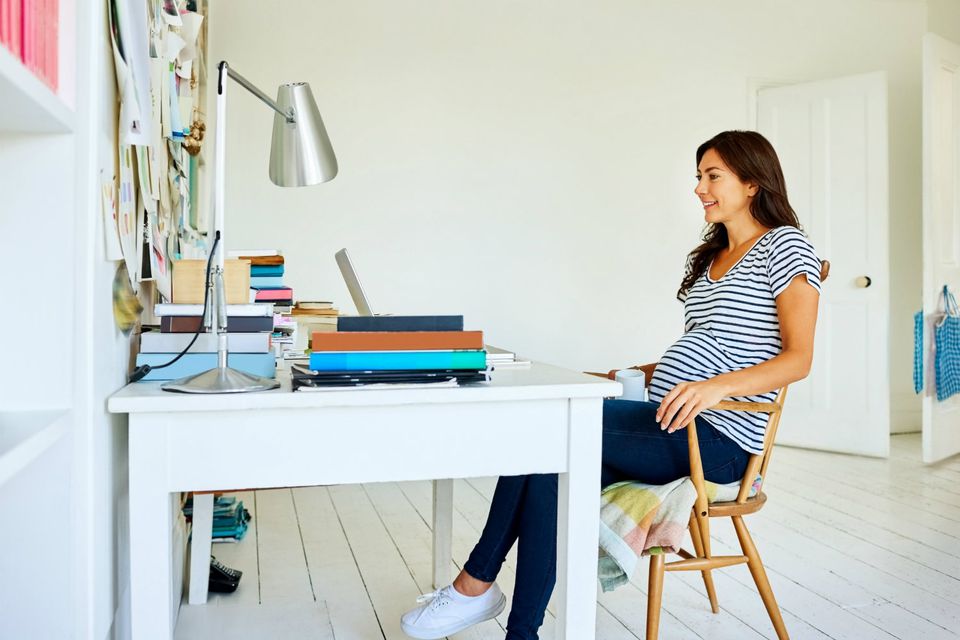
(172, 45)
(156, 141)
(171, 13)
(159, 260)
(165, 118)
(134, 30)
(176, 125)
(127, 213)
(108, 204)
(185, 70)
(144, 179)
(130, 115)
(382, 386)
(190, 31)
(144, 241)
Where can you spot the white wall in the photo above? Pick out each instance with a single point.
(943, 18)
(530, 165)
(101, 356)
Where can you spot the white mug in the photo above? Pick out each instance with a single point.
(634, 384)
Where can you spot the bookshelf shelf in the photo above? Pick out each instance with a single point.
(28, 105)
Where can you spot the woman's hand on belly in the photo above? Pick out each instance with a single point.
(686, 400)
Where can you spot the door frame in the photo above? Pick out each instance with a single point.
(938, 444)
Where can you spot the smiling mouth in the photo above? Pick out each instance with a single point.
(708, 204)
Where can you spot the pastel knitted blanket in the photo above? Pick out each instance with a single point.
(638, 519)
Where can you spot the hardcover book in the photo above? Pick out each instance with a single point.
(270, 294)
(400, 323)
(156, 342)
(301, 311)
(262, 309)
(257, 270)
(314, 304)
(190, 324)
(258, 364)
(397, 340)
(261, 260)
(258, 282)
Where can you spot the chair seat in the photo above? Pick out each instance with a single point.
(733, 508)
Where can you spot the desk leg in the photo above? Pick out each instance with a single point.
(200, 540)
(152, 610)
(578, 528)
(442, 531)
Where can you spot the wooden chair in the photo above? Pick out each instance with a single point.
(703, 559)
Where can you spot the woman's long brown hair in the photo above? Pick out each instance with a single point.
(752, 158)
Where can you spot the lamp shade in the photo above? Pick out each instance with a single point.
(300, 154)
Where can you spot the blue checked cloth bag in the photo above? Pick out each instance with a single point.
(947, 355)
(918, 352)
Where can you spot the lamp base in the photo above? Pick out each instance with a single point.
(218, 380)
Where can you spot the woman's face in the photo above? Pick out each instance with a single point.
(724, 197)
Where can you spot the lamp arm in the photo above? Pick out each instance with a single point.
(252, 88)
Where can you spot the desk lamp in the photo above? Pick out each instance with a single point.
(300, 155)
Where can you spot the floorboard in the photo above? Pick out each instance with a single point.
(855, 548)
(333, 567)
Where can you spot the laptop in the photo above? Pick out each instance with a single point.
(353, 283)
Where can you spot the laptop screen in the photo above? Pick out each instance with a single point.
(353, 283)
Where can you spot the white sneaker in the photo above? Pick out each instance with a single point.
(447, 611)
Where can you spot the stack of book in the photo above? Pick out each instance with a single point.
(313, 317)
(393, 349)
(266, 277)
(230, 518)
(249, 327)
(284, 334)
(498, 358)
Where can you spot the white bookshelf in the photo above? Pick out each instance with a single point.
(28, 105)
(48, 211)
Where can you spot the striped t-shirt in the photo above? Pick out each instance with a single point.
(731, 324)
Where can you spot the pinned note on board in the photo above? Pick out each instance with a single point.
(128, 35)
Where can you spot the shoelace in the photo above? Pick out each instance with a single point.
(436, 598)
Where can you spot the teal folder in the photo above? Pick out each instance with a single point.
(396, 360)
(258, 364)
(258, 270)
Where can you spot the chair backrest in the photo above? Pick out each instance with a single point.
(760, 463)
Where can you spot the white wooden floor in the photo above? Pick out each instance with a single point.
(855, 548)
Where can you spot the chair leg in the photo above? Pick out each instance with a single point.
(707, 575)
(654, 596)
(760, 577)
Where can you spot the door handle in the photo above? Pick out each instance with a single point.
(863, 282)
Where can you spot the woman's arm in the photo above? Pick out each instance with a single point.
(797, 313)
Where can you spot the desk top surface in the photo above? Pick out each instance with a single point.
(536, 382)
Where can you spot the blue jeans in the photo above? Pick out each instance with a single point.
(524, 508)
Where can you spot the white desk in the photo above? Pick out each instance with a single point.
(537, 420)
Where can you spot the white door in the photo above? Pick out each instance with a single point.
(831, 137)
(941, 222)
